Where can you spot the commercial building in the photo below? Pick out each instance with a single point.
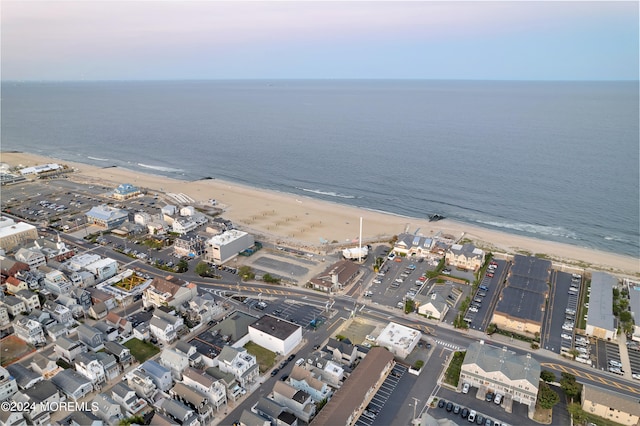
(634, 304)
(351, 399)
(336, 277)
(601, 322)
(224, 247)
(106, 217)
(398, 339)
(13, 234)
(522, 301)
(125, 191)
(413, 245)
(276, 334)
(499, 370)
(610, 405)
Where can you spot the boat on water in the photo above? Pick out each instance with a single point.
(435, 217)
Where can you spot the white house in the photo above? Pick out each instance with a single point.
(88, 365)
(203, 382)
(240, 363)
(174, 361)
(399, 339)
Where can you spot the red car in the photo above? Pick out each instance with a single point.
(490, 275)
(422, 278)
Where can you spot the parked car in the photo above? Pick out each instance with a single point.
(498, 398)
(489, 396)
(441, 403)
(449, 406)
(465, 388)
(464, 413)
(472, 416)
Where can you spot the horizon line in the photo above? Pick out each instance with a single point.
(310, 79)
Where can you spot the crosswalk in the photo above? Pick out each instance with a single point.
(448, 345)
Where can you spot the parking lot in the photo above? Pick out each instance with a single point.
(483, 301)
(295, 312)
(375, 412)
(634, 359)
(558, 330)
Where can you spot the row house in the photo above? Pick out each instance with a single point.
(29, 330)
(125, 396)
(206, 384)
(68, 349)
(302, 379)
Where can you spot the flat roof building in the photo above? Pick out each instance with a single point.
(224, 247)
(13, 234)
(276, 334)
(399, 339)
(601, 322)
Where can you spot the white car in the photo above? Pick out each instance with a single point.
(473, 309)
(498, 398)
(567, 326)
(615, 363)
(465, 388)
(636, 376)
(566, 336)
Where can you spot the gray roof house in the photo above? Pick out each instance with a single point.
(25, 378)
(248, 418)
(72, 384)
(433, 305)
(275, 412)
(107, 409)
(68, 349)
(81, 418)
(127, 398)
(90, 336)
(39, 397)
(193, 399)
(160, 375)
(120, 352)
(176, 410)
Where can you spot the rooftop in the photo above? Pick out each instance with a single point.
(275, 327)
(493, 359)
(600, 314)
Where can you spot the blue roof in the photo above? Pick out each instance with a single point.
(126, 188)
(104, 212)
(153, 368)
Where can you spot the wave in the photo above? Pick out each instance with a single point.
(555, 231)
(330, 194)
(97, 158)
(160, 168)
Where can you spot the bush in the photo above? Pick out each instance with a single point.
(418, 364)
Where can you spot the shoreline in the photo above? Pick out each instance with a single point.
(307, 222)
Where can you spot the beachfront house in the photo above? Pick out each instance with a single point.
(465, 256)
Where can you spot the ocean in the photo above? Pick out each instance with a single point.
(553, 160)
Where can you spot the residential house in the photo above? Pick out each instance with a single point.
(109, 332)
(12, 268)
(121, 353)
(88, 365)
(204, 308)
(14, 285)
(206, 384)
(8, 384)
(107, 409)
(68, 349)
(297, 401)
(240, 363)
(73, 384)
(336, 277)
(248, 418)
(164, 327)
(190, 351)
(178, 411)
(4, 316)
(125, 396)
(56, 331)
(31, 257)
(30, 299)
(90, 336)
(277, 413)
(303, 379)
(60, 313)
(160, 375)
(501, 371)
(432, 305)
(25, 378)
(170, 291)
(174, 361)
(123, 325)
(12, 418)
(142, 383)
(57, 283)
(343, 352)
(413, 245)
(44, 366)
(39, 399)
(465, 256)
(29, 330)
(81, 418)
(110, 365)
(15, 306)
(607, 404)
(324, 368)
(195, 400)
(98, 311)
(276, 334)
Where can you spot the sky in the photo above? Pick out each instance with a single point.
(167, 40)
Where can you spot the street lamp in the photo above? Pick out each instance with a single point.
(415, 404)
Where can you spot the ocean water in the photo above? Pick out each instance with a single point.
(552, 160)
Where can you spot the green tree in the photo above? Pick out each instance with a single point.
(547, 397)
(268, 278)
(409, 306)
(246, 272)
(202, 269)
(625, 316)
(138, 420)
(577, 414)
(182, 266)
(569, 385)
(492, 328)
(548, 376)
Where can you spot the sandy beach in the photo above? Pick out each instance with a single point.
(305, 222)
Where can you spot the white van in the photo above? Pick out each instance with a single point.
(300, 361)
